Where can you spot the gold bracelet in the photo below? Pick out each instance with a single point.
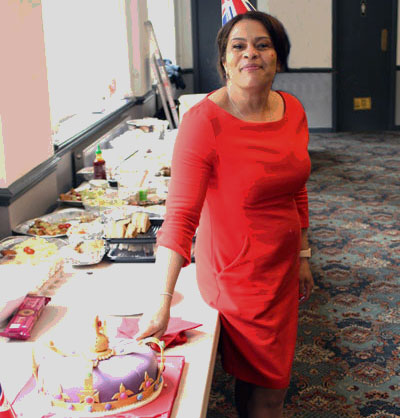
(167, 294)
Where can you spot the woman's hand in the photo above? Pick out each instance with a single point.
(306, 280)
(154, 323)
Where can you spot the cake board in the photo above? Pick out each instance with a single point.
(29, 404)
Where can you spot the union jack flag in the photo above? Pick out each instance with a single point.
(231, 8)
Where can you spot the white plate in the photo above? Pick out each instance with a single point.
(65, 215)
(85, 259)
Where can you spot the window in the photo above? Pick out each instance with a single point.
(87, 61)
(162, 16)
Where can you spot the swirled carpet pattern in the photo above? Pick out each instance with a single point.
(347, 361)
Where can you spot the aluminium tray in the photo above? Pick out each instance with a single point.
(70, 215)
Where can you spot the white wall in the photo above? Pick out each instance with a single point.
(183, 25)
(309, 26)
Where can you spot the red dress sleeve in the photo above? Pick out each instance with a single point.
(191, 167)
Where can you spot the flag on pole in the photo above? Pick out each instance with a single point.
(231, 8)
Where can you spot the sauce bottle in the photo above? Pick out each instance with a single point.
(99, 165)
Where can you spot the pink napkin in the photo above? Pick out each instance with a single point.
(174, 335)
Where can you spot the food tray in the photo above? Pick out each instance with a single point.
(132, 253)
(135, 253)
(70, 215)
(148, 238)
(140, 249)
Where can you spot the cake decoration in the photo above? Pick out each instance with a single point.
(102, 380)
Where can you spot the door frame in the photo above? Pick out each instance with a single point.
(393, 67)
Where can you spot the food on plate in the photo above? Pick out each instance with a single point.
(34, 261)
(86, 229)
(138, 223)
(95, 376)
(87, 218)
(71, 196)
(8, 253)
(89, 246)
(75, 195)
(152, 199)
(164, 171)
(33, 251)
(41, 227)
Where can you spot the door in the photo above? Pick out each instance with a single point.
(364, 65)
(206, 22)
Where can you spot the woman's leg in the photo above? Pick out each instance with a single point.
(266, 403)
(243, 392)
(254, 401)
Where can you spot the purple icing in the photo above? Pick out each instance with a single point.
(128, 369)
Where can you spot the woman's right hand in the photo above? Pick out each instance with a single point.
(154, 322)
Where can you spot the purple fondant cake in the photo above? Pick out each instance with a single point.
(103, 381)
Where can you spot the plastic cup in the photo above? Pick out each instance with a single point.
(142, 195)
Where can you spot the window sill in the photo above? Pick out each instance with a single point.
(80, 126)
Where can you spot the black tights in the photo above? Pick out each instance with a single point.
(243, 391)
(256, 401)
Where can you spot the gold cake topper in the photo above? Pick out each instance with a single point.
(101, 345)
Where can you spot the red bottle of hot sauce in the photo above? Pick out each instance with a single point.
(99, 166)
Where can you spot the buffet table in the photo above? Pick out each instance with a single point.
(114, 291)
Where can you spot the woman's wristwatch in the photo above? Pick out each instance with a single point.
(305, 253)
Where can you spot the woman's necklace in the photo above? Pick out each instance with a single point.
(233, 105)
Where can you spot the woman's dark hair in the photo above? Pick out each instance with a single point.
(273, 26)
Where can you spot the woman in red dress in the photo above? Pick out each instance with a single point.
(239, 170)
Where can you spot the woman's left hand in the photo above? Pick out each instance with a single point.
(306, 280)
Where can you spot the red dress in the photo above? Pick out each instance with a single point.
(247, 181)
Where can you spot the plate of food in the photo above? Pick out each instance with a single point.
(76, 197)
(28, 250)
(85, 252)
(55, 224)
(26, 265)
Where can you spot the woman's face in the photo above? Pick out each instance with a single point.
(250, 59)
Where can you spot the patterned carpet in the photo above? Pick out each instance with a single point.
(347, 360)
